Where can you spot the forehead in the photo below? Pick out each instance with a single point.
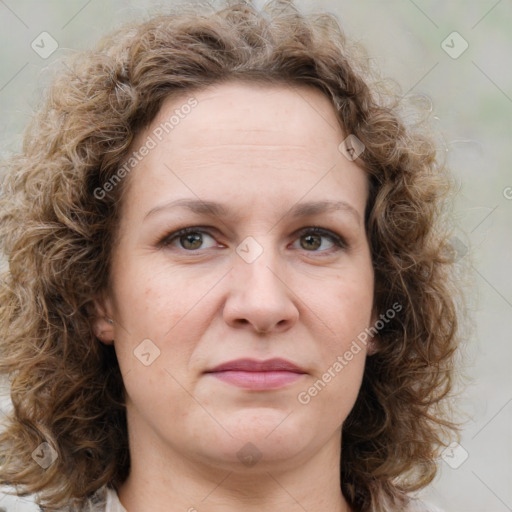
(261, 113)
(246, 136)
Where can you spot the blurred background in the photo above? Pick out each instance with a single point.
(456, 55)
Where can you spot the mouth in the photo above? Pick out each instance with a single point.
(258, 375)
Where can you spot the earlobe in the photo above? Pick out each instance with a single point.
(103, 325)
(372, 345)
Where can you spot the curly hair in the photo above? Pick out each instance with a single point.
(57, 235)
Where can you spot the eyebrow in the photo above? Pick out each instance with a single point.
(219, 210)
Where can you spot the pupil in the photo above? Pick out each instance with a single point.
(194, 239)
(312, 237)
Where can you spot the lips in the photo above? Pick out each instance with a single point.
(251, 365)
(258, 375)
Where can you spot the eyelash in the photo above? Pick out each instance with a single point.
(338, 241)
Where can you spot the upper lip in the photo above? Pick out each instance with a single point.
(252, 365)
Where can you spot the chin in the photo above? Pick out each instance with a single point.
(255, 456)
(259, 436)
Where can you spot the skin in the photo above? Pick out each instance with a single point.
(260, 150)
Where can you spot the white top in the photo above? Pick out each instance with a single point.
(112, 502)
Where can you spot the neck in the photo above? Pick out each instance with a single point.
(163, 480)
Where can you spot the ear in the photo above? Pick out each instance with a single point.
(103, 324)
(372, 345)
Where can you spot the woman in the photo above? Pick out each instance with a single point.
(228, 285)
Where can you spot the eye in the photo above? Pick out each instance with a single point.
(190, 239)
(312, 239)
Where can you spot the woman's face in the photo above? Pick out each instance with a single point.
(251, 280)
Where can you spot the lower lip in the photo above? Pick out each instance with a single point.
(258, 380)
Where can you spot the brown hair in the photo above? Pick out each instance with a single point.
(66, 387)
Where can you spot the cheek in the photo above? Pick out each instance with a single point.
(151, 297)
(349, 303)
(171, 309)
(346, 309)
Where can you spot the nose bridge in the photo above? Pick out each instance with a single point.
(259, 295)
(257, 262)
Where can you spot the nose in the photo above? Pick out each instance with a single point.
(259, 297)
